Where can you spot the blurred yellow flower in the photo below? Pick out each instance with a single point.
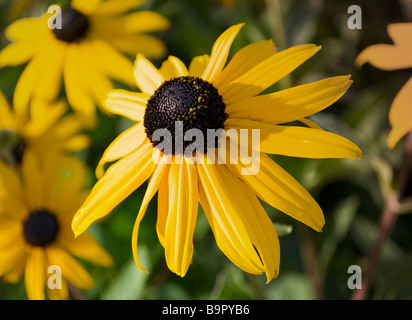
(85, 52)
(210, 95)
(394, 57)
(35, 216)
(43, 129)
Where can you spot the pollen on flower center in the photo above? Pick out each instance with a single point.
(192, 100)
(74, 25)
(41, 228)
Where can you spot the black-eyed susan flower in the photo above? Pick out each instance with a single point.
(36, 209)
(393, 57)
(44, 128)
(210, 95)
(86, 52)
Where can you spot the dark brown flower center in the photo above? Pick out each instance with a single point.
(41, 228)
(74, 25)
(191, 100)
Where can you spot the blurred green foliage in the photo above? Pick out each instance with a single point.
(351, 192)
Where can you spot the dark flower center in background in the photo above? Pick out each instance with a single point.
(194, 101)
(74, 25)
(41, 228)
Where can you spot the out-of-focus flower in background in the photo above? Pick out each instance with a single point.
(36, 209)
(92, 33)
(394, 57)
(44, 128)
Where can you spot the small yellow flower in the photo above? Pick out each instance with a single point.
(229, 100)
(86, 52)
(35, 216)
(43, 129)
(394, 57)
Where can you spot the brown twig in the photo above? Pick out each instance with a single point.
(388, 220)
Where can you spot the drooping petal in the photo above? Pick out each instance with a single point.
(35, 274)
(241, 227)
(181, 217)
(267, 73)
(220, 52)
(124, 144)
(298, 141)
(119, 181)
(291, 104)
(148, 78)
(159, 173)
(400, 115)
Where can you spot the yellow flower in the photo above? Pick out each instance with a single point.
(394, 57)
(35, 216)
(85, 52)
(43, 129)
(210, 95)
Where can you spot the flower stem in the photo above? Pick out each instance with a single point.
(388, 220)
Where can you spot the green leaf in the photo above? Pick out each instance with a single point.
(129, 283)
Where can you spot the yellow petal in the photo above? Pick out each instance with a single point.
(6, 115)
(198, 65)
(109, 61)
(25, 28)
(76, 86)
(279, 189)
(244, 60)
(400, 115)
(159, 173)
(124, 144)
(143, 21)
(146, 44)
(60, 293)
(298, 141)
(86, 7)
(35, 274)
(173, 67)
(43, 117)
(388, 56)
(86, 247)
(267, 73)
(111, 7)
(242, 229)
(181, 217)
(119, 181)
(291, 104)
(71, 270)
(148, 78)
(33, 181)
(131, 105)
(17, 53)
(220, 52)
